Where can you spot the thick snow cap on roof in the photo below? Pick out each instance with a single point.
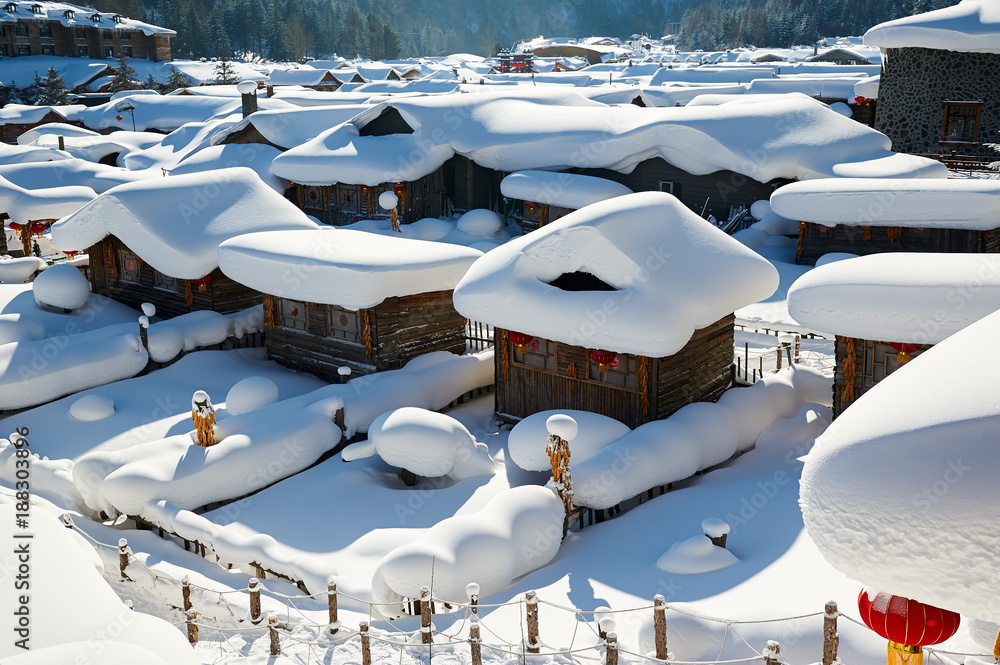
(899, 297)
(350, 269)
(672, 273)
(176, 224)
(286, 128)
(26, 205)
(567, 190)
(971, 26)
(75, 15)
(900, 493)
(972, 204)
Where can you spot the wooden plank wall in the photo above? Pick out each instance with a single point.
(424, 198)
(700, 372)
(817, 240)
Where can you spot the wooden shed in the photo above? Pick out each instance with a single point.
(361, 300)
(623, 308)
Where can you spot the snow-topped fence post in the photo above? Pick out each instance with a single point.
(186, 593)
(562, 429)
(366, 647)
(425, 616)
(123, 552)
(611, 654)
(531, 612)
(475, 643)
(660, 626)
(831, 639)
(272, 630)
(203, 415)
(772, 653)
(331, 593)
(253, 586)
(192, 627)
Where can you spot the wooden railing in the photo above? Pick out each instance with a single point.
(957, 162)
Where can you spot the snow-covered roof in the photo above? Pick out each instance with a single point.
(900, 493)
(21, 114)
(75, 15)
(899, 297)
(205, 72)
(20, 71)
(350, 269)
(71, 171)
(670, 273)
(924, 203)
(25, 205)
(971, 26)
(549, 129)
(287, 128)
(176, 224)
(306, 76)
(868, 87)
(819, 86)
(567, 190)
(163, 112)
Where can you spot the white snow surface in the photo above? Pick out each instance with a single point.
(567, 190)
(19, 269)
(925, 203)
(900, 493)
(62, 286)
(70, 172)
(868, 87)
(255, 156)
(480, 222)
(26, 205)
(901, 297)
(695, 555)
(527, 440)
(971, 26)
(90, 408)
(365, 268)
(427, 443)
(672, 272)
(176, 224)
(517, 532)
(251, 393)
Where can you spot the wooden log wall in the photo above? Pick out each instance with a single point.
(873, 361)
(700, 372)
(424, 198)
(817, 240)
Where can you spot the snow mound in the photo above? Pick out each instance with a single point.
(971, 26)
(251, 393)
(566, 190)
(20, 269)
(713, 527)
(842, 108)
(517, 532)
(480, 222)
(695, 555)
(92, 407)
(900, 493)
(28, 204)
(758, 209)
(527, 440)
(427, 443)
(61, 286)
(18, 328)
(388, 200)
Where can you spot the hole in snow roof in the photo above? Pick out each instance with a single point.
(580, 281)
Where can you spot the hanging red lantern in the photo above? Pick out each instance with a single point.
(14, 226)
(399, 189)
(909, 625)
(521, 340)
(118, 118)
(531, 206)
(903, 351)
(38, 228)
(202, 282)
(859, 100)
(604, 359)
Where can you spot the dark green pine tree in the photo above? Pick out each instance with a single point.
(125, 77)
(52, 90)
(225, 72)
(176, 79)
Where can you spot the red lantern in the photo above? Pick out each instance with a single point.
(118, 118)
(907, 624)
(521, 340)
(14, 226)
(399, 189)
(903, 351)
(859, 100)
(202, 282)
(38, 228)
(603, 359)
(531, 205)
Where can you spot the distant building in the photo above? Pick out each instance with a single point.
(56, 28)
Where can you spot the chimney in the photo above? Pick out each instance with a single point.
(248, 90)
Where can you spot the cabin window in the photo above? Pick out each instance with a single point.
(128, 267)
(45, 30)
(109, 51)
(48, 49)
(24, 49)
(107, 34)
(881, 360)
(36, 9)
(671, 187)
(127, 51)
(350, 198)
(961, 122)
(166, 282)
(342, 324)
(81, 33)
(21, 30)
(293, 314)
(538, 353)
(82, 51)
(69, 14)
(125, 36)
(621, 372)
(10, 7)
(313, 198)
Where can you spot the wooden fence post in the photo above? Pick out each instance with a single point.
(192, 627)
(772, 653)
(531, 600)
(831, 638)
(475, 643)
(366, 647)
(425, 616)
(612, 650)
(660, 625)
(780, 349)
(331, 590)
(254, 586)
(798, 341)
(123, 557)
(273, 630)
(186, 593)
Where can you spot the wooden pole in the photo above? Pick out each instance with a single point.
(123, 557)
(746, 359)
(531, 600)
(772, 653)
(660, 625)
(425, 616)
(831, 638)
(612, 650)
(62, 142)
(798, 340)
(192, 627)
(780, 346)
(475, 643)
(186, 593)
(273, 630)
(331, 590)
(366, 648)
(254, 586)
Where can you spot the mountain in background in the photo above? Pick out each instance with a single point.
(388, 29)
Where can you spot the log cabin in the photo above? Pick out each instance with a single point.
(623, 308)
(537, 197)
(342, 298)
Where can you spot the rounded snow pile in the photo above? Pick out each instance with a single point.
(61, 286)
(528, 439)
(388, 200)
(13, 271)
(92, 407)
(760, 209)
(250, 394)
(480, 222)
(695, 555)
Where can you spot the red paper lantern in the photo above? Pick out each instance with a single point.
(14, 226)
(399, 189)
(908, 624)
(202, 282)
(859, 100)
(903, 351)
(118, 118)
(531, 205)
(521, 340)
(38, 228)
(603, 359)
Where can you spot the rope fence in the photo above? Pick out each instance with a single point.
(592, 639)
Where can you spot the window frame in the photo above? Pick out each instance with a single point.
(550, 356)
(109, 51)
(45, 30)
(21, 30)
(948, 106)
(81, 33)
(24, 49)
(287, 320)
(343, 331)
(124, 273)
(82, 51)
(630, 373)
(48, 49)
(127, 50)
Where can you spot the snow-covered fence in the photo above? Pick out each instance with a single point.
(759, 353)
(478, 335)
